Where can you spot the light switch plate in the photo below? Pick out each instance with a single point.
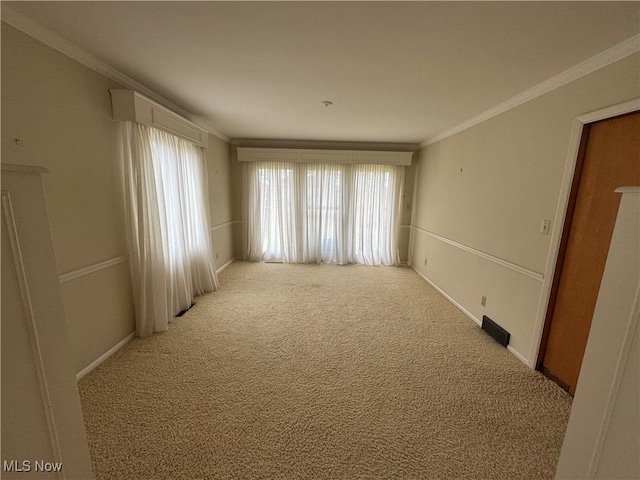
(545, 226)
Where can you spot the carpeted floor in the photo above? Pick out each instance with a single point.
(321, 372)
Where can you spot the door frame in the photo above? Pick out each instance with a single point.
(555, 250)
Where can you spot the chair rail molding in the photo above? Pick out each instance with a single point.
(505, 263)
(96, 267)
(220, 226)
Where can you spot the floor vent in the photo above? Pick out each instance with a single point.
(185, 310)
(496, 331)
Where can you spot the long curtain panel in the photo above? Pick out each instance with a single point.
(170, 246)
(333, 213)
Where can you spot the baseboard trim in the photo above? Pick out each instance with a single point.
(513, 351)
(227, 264)
(519, 356)
(86, 370)
(445, 295)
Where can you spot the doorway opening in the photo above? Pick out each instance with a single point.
(608, 158)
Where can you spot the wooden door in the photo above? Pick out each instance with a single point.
(609, 158)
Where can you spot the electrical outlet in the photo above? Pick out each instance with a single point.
(483, 302)
(425, 262)
(217, 255)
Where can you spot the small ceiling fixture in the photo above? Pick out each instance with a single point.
(327, 103)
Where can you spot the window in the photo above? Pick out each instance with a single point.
(171, 256)
(308, 212)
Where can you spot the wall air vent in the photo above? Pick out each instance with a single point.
(499, 334)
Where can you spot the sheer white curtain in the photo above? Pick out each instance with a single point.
(333, 213)
(374, 214)
(170, 245)
(325, 194)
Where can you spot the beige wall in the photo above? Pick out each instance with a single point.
(489, 188)
(221, 200)
(61, 112)
(236, 181)
(406, 209)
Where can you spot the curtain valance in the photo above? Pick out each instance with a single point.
(306, 155)
(130, 105)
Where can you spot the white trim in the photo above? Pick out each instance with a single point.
(131, 105)
(312, 155)
(518, 355)
(30, 320)
(632, 325)
(445, 295)
(325, 145)
(414, 199)
(513, 351)
(627, 190)
(472, 122)
(67, 277)
(511, 266)
(124, 341)
(104, 356)
(220, 226)
(601, 60)
(13, 167)
(561, 212)
(55, 41)
(227, 264)
(610, 112)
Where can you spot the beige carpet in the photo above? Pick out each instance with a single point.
(321, 372)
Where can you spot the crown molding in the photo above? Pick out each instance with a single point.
(71, 50)
(601, 60)
(55, 41)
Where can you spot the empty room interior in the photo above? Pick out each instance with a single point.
(338, 240)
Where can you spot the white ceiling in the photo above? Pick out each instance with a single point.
(396, 71)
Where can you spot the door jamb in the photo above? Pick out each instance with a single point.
(562, 251)
(561, 213)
